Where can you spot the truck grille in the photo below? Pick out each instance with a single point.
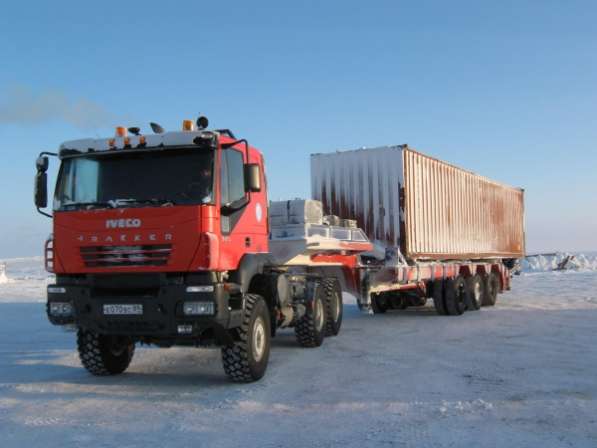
(119, 256)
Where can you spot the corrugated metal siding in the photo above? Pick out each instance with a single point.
(446, 212)
(363, 185)
(453, 213)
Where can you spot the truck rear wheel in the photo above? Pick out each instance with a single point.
(379, 303)
(455, 295)
(438, 297)
(474, 286)
(104, 355)
(246, 359)
(333, 306)
(492, 286)
(310, 329)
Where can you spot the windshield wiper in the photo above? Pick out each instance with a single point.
(153, 201)
(88, 205)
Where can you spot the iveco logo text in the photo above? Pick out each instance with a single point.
(123, 223)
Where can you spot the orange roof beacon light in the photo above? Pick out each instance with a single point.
(188, 125)
(121, 131)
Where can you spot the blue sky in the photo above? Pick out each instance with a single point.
(507, 89)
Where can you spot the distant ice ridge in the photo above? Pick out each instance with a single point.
(3, 277)
(560, 261)
(23, 280)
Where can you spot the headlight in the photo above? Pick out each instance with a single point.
(198, 308)
(61, 309)
(202, 288)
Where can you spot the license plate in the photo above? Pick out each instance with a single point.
(121, 309)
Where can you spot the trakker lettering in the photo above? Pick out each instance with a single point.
(123, 238)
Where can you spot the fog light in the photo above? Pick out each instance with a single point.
(198, 308)
(56, 290)
(61, 309)
(202, 288)
(185, 329)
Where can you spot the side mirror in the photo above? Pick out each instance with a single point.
(41, 189)
(42, 164)
(252, 177)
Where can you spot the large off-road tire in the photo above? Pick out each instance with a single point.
(104, 355)
(474, 286)
(492, 287)
(333, 306)
(455, 295)
(379, 303)
(438, 297)
(310, 329)
(246, 359)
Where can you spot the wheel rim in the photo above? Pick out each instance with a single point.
(318, 315)
(336, 309)
(477, 292)
(117, 347)
(259, 338)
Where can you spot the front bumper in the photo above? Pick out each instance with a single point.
(162, 311)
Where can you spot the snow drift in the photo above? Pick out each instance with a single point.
(559, 261)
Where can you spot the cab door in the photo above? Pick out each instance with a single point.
(234, 201)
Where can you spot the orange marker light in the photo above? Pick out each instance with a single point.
(121, 131)
(187, 125)
(142, 141)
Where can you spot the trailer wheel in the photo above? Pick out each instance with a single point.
(455, 295)
(246, 359)
(379, 304)
(474, 286)
(492, 286)
(104, 355)
(333, 306)
(310, 329)
(438, 297)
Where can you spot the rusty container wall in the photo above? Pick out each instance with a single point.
(364, 185)
(430, 209)
(451, 213)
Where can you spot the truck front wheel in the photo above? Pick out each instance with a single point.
(246, 359)
(104, 355)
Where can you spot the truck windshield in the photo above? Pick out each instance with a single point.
(135, 179)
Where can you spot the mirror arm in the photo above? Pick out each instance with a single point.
(41, 212)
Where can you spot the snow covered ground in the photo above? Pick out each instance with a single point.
(520, 374)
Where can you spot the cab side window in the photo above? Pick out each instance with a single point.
(236, 176)
(232, 186)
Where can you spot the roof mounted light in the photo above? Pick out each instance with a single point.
(121, 131)
(188, 125)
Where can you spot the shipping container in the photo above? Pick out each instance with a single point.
(429, 209)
